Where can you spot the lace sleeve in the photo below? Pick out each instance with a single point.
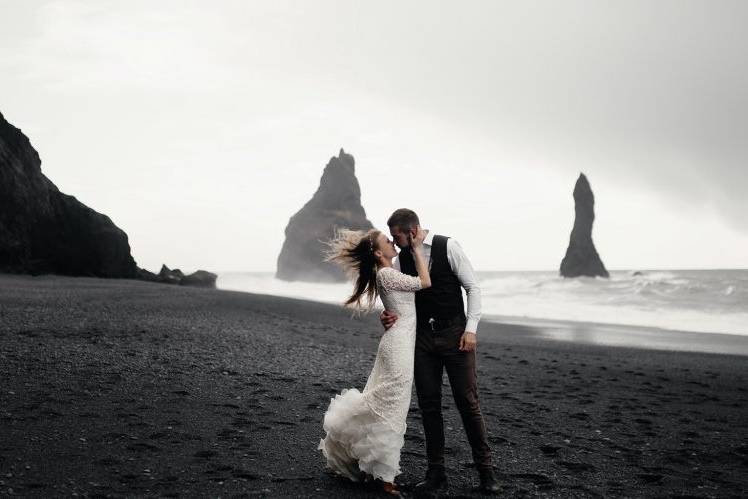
(393, 280)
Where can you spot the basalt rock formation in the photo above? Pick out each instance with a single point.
(201, 278)
(336, 204)
(581, 256)
(45, 231)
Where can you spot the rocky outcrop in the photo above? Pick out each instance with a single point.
(45, 231)
(170, 276)
(336, 204)
(581, 256)
(201, 278)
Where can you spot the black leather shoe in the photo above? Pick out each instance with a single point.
(488, 482)
(435, 480)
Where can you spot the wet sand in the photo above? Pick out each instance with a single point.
(126, 388)
(651, 338)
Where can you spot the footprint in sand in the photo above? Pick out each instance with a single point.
(143, 447)
(108, 461)
(650, 477)
(245, 474)
(541, 481)
(549, 450)
(574, 466)
(227, 433)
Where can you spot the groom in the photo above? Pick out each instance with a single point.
(445, 339)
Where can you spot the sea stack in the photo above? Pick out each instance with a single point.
(336, 204)
(43, 231)
(581, 256)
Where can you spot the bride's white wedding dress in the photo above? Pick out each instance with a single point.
(365, 430)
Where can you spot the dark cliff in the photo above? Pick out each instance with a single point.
(43, 230)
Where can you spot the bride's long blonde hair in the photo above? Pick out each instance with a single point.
(353, 251)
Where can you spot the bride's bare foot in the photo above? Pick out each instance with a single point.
(391, 489)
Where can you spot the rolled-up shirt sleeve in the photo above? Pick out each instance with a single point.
(464, 271)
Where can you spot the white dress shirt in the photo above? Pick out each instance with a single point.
(462, 268)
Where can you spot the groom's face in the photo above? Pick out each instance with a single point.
(400, 236)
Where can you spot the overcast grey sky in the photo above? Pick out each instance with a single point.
(201, 127)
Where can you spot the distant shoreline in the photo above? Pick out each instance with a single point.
(625, 311)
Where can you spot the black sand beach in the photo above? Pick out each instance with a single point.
(128, 388)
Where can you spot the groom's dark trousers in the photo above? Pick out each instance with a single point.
(437, 351)
(441, 322)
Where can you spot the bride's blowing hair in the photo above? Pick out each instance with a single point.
(353, 250)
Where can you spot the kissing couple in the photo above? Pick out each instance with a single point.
(426, 332)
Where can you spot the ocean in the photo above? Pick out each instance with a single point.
(700, 301)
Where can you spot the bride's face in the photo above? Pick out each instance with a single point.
(386, 247)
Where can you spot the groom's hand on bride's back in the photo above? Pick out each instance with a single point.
(387, 319)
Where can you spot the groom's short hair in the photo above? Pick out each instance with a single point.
(403, 219)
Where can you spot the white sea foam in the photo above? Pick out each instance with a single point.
(266, 283)
(708, 301)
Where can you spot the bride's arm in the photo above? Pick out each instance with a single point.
(422, 267)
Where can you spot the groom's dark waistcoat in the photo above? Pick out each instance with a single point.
(443, 300)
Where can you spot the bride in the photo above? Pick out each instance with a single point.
(365, 430)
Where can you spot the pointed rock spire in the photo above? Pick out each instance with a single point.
(581, 256)
(336, 204)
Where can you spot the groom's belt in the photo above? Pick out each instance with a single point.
(434, 324)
